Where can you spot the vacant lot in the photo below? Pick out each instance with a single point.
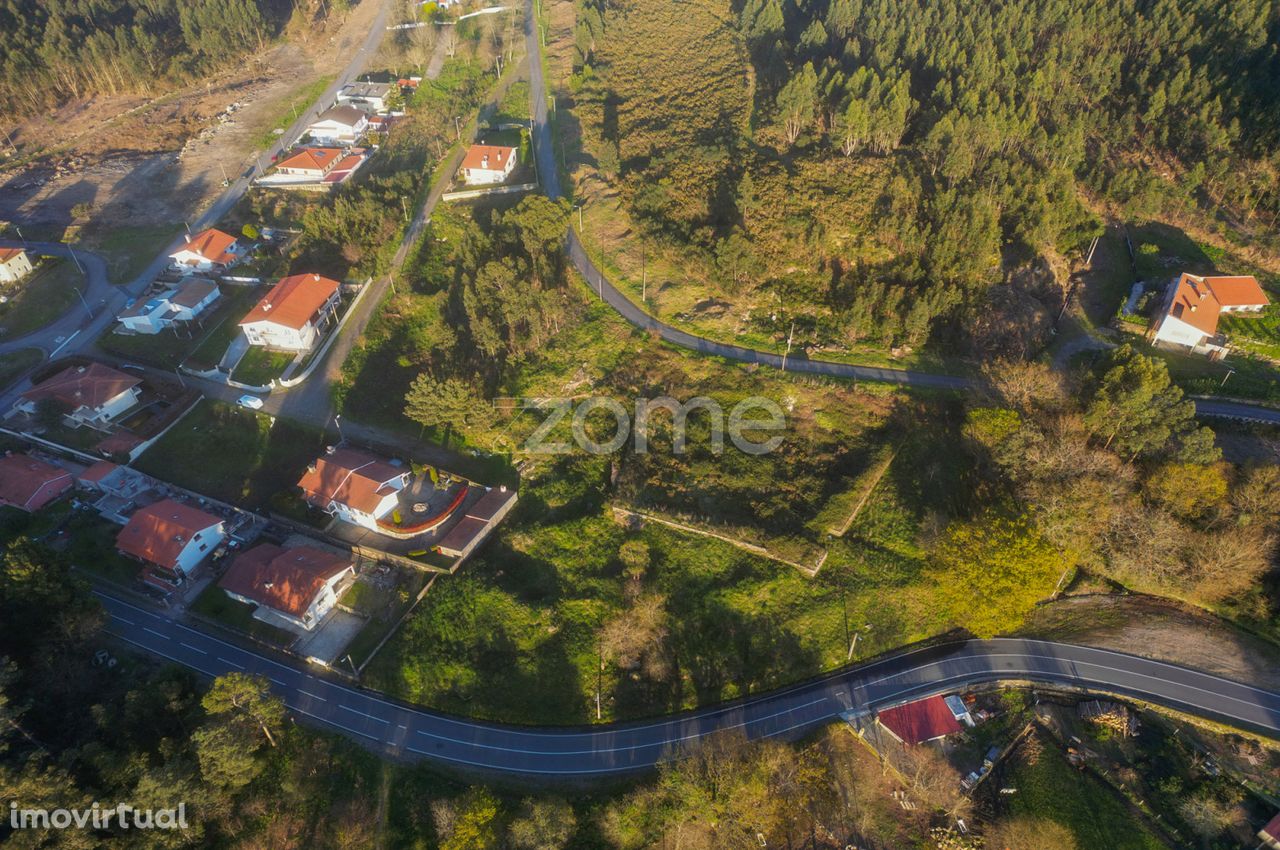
(234, 455)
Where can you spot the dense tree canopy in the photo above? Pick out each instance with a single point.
(919, 151)
(55, 49)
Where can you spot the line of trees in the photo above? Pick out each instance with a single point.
(56, 49)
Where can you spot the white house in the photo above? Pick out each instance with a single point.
(311, 163)
(485, 165)
(291, 316)
(14, 264)
(93, 394)
(339, 125)
(367, 97)
(291, 587)
(208, 250)
(1188, 316)
(171, 536)
(354, 485)
(181, 304)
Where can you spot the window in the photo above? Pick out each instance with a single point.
(204, 546)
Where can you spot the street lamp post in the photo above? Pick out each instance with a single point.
(76, 260)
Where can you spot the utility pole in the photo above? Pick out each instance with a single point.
(1230, 372)
(76, 260)
(337, 422)
(644, 277)
(791, 336)
(457, 125)
(404, 207)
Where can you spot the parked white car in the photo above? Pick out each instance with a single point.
(250, 402)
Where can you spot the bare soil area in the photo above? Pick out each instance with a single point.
(1160, 629)
(151, 162)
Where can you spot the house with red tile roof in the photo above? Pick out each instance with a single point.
(485, 165)
(14, 264)
(172, 536)
(1188, 316)
(208, 250)
(92, 394)
(354, 485)
(310, 162)
(291, 316)
(1269, 835)
(29, 484)
(917, 722)
(294, 587)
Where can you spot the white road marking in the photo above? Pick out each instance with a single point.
(370, 716)
(313, 696)
(193, 648)
(232, 663)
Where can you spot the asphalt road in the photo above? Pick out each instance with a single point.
(408, 733)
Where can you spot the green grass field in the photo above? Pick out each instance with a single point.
(15, 363)
(1048, 787)
(43, 296)
(233, 455)
(260, 367)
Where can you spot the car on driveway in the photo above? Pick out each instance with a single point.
(250, 402)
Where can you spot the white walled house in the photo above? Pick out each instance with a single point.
(183, 304)
(354, 486)
(1188, 316)
(171, 536)
(92, 394)
(294, 587)
(291, 316)
(340, 125)
(14, 265)
(367, 97)
(486, 165)
(208, 250)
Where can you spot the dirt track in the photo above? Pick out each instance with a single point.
(153, 162)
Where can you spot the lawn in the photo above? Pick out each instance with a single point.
(214, 604)
(210, 349)
(234, 455)
(1049, 787)
(259, 367)
(15, 363)
(36, 301)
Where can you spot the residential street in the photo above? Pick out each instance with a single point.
(400, 731)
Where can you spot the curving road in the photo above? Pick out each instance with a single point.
(102, 300)
(409, 733)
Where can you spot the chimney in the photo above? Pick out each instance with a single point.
(484, 161)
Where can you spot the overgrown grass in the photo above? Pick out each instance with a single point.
(292, 106)
(129, 249)
(233, 455)
(1048, 787)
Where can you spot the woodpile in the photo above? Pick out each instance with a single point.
(1111, 714)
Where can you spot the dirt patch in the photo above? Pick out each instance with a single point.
(1163, 630)
(157, 161)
